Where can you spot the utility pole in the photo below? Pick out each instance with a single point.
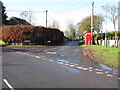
(92, 23)
(105, 32)
(46, 17)
(105, 41)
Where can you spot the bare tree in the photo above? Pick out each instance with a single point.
(54, 24)
(28, 16)
(112, 12)
(71, 30)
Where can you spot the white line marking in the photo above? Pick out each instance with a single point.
(51, 52)
(90, 67)
(109, 75)
(106, 71)
(60, 62)
(85, 69)
(76, 64)
(72, 65)
(8, 84)
(33, 55)
(38, 57)
(66, 64)
(90, 70)
(99, 72)
(96, 69)
(51, 60)
(79, 67)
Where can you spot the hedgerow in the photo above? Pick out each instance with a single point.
(109, 35)
(36, 34)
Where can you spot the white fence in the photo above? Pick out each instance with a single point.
(110, 42)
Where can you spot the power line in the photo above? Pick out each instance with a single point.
(50, 17)
(24, 10)
(77, 7)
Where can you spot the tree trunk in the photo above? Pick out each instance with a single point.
(97, 41)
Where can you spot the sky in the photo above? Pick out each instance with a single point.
(62, 11)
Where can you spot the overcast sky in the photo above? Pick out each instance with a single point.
(62, 11)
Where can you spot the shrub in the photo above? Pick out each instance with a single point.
(110, 35)
(36, 34)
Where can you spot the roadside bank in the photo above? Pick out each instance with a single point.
(99, 54)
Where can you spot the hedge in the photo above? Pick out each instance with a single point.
(109, 35)
(36, 34)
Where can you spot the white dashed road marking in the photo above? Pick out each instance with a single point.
(85, 69)
(99, 72)
(90, 70)
(106, 71)
(109, 75)
(72, 65)
(38, 57)
(96, 69)
(80, 67)
(76, 64)
(8, 84)
(90, 67)
(51, 52)
(51, 60)
(66, 64)
(69, 64)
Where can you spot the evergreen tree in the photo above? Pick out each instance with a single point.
(4, 16)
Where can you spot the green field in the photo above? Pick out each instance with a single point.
(108, 56)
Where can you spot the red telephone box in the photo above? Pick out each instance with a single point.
(88, 38)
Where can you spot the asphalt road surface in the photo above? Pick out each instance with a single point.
(54, 67)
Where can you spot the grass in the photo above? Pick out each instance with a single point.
(2, 43)
(108, 56)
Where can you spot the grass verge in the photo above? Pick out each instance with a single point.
(107, 56)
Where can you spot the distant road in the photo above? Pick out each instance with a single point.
(53, 67)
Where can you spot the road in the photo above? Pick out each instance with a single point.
(54, 67)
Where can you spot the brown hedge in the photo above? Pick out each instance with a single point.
(36, 34)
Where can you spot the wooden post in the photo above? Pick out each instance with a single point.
(92, 23)
(46, 17)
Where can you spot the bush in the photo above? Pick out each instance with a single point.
(110, 35)
(36, 34)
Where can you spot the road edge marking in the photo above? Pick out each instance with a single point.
(8, 84)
